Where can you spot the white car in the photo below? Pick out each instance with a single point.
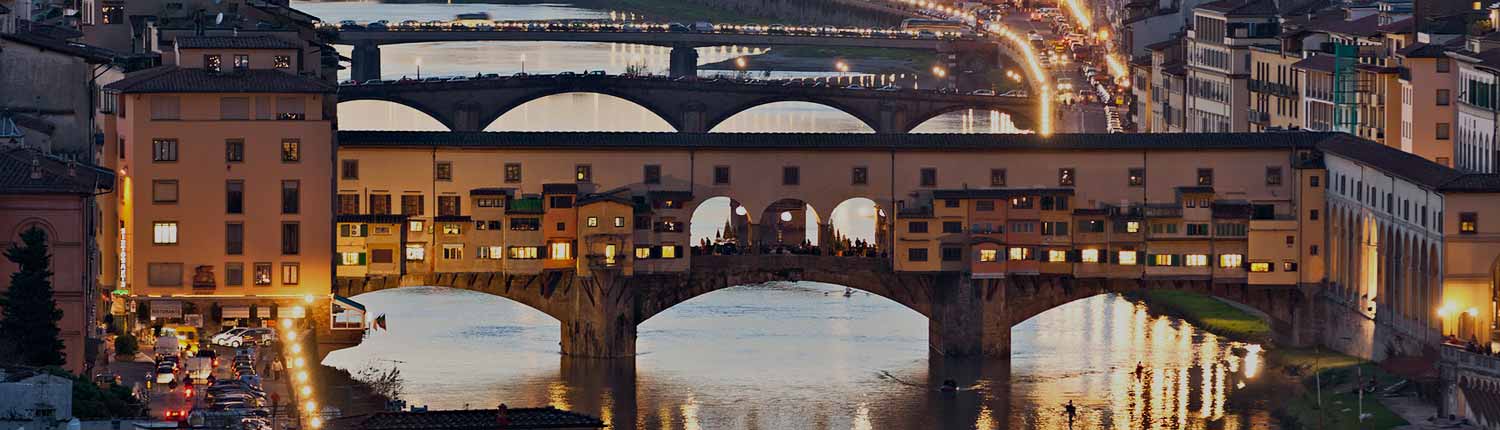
(222, 339)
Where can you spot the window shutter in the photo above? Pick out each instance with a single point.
(362, 259)
(364, 230)
(1150, 259)
(656, 252)
(1177, 260)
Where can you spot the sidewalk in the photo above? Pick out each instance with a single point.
(1418, 414)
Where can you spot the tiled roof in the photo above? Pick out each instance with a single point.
(492, 191)
(1398, 27)
(1319, 62)
(1335, 23)
(1473, 183)
(371, 218)
(233, 42)
(997, 193)
(471, 419)
(173, 79)
(1390, 160)
(1241, 7)
(1172, 41)
(1423, 50)
(25, 170)
(92, 54)
(591, 198)
(827, 141)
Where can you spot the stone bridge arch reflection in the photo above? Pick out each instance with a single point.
(578, 111)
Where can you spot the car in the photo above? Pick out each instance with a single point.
(458, 79)
(166, 374)
(349, 24)
(265, 335)
(490, 76)
(380, 25)
(218, 339)
(888, 88)
(594, 73)
(982, 93)
(677, 28)
(566, 74)
(854, 87)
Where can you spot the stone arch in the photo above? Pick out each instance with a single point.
(485, 119)
(1021, 120)
(430, 111)
(707, 215)
(718, 116)
(848, 220)
(790, 221)
(716, 272)
(38, 222)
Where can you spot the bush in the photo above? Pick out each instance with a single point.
(126, 344)
(92, 402)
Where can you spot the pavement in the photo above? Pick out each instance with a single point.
(1420, 415)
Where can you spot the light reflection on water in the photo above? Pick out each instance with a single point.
(800, 355)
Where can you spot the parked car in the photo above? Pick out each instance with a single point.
(982, 93)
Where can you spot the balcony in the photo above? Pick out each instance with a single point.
(1164, 211)
(1261, 118)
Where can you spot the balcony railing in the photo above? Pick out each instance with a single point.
(1259, 117)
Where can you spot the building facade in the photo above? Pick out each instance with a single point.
(226, 172)
(1218, 66)
(57, 196)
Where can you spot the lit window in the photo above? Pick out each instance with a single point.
(1133, 227)
(668, 251)
(1057, 256)
(1260, 267)
(165, 233)
(1468, 223)
(351, 258)
(453, 251)
(491, 252)
(1196, 260)
(1162, 259)
(415, 253)
(1020, 253)
(1289, 266)
(609, 254)
(1127, 258)
(642, 252)
(291, 273)
(620, 221)
(988, 255)
(291, 150)
(1230, 261)
(593, 221)
(523, 252)
(282, 62)
(560, 250)
(1089, 255)
(414, 226)
(451, 229)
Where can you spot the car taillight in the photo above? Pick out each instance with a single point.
(187, 392)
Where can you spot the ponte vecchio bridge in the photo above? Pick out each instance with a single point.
(976, 232)
(690, 106)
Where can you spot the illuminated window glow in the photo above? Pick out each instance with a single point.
(1057, 256)
(1020, 253)
(1196, 260)
(1089, 255)
(1127, 258)
(989, 255)
(560, 250)
(1229, 261)
(1260, 267)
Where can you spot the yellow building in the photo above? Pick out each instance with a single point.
(604, 234)
(223, 170)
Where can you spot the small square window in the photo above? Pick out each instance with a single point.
(997, 177)
(1468, 223)
(1065, 177)
(291, 150)
(791, 175)
(651, 174)
(282, 62)
(1137, 177)
(234, 150)
(583, 173)
(1205, 177)
(859, 176)
(1273, 176)
(443, 171)
(721, 175)
(349, 169)
(164, 191)
(928, 177)
(592, 221)
(512, 172)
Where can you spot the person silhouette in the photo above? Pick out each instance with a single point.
(1072, 412)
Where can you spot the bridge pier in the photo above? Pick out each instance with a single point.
(969, 317)
(684, 61)
(365, 64)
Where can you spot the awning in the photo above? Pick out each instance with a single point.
(292, 312)
(263, 311)
(348, 302)
(166, 309)
(236, 312)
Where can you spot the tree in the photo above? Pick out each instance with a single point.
(28, 324)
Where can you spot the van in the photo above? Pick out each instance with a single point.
(167, 344)
(703, 27)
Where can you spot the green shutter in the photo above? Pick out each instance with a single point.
(361, 258)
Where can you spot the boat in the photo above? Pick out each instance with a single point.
(848, 291)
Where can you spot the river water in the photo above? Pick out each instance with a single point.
(773, 356)
(578, 111)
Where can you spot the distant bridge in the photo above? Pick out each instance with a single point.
(692, 106)
(969, 53)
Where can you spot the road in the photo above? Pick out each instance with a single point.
(1075, 118)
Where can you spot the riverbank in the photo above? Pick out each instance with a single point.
(1326, 382)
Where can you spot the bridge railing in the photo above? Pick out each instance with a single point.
(1464, 359)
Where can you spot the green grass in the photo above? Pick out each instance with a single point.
(1211, 314)
(1340, 403)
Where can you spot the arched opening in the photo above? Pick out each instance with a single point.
(792, 117)
(579, 112)
(974, 121)
(384, 115)
(720, 225)
(789, 226)
(859, 227)
(424, 340)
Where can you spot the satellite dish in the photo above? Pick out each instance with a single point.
(219, 19)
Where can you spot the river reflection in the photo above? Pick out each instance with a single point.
(800, 355)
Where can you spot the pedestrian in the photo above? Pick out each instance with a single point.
(1072, 412)
(275, 368)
